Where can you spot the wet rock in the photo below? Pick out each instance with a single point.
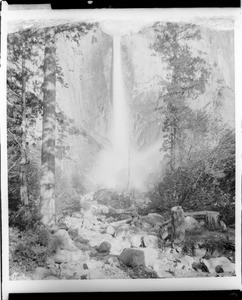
(132, 257)
(191, 224)
(135, 240)
(151, 241)
(154, 218)
(222, 262)
(110, 230)
(104, 247)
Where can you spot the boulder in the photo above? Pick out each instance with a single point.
(122, 231)
(110, 230)
(62, 239)
(191, 224)
(117, 246)
(223, 262)
(151, 241)
(136, 240)
(132, 257)
(104, 247)
(200, 252)
(154, 218)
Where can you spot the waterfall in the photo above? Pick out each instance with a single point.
(120, 120)
(119, 166)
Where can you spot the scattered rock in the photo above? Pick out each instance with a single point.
(191, 224)
(132, 257)
(67, 256)
(110, 230)
(151, 241)
(200, 252)
(154, 218)
(113, 261)
(76, 215)
(135, 240)
(104, 247)
(145, 225)
(222, 262)
(81, 246)
(122, 231)
(64, 240)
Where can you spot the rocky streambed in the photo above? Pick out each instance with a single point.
(103, 242)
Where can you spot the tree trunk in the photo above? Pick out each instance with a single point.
(23, 161)
(47, 182)
(178, 226)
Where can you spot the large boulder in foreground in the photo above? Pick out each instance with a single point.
(132, 257)
(223, 264)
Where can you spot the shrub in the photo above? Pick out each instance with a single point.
(26, 217)
(29, 249)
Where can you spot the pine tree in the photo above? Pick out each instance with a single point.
(47, 182)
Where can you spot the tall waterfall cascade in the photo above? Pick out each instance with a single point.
(119, 166)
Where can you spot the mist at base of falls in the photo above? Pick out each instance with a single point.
(119, 166)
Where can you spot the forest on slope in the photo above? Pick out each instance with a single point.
(59, 108)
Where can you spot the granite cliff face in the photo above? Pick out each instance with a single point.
(84, 97)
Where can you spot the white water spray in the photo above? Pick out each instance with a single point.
(120, 128)
(119, 166)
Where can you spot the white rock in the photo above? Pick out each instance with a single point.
(135, 240)
(151, 241)
(110, 230)
(224, 262)
(154, 218)
(191, 223)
